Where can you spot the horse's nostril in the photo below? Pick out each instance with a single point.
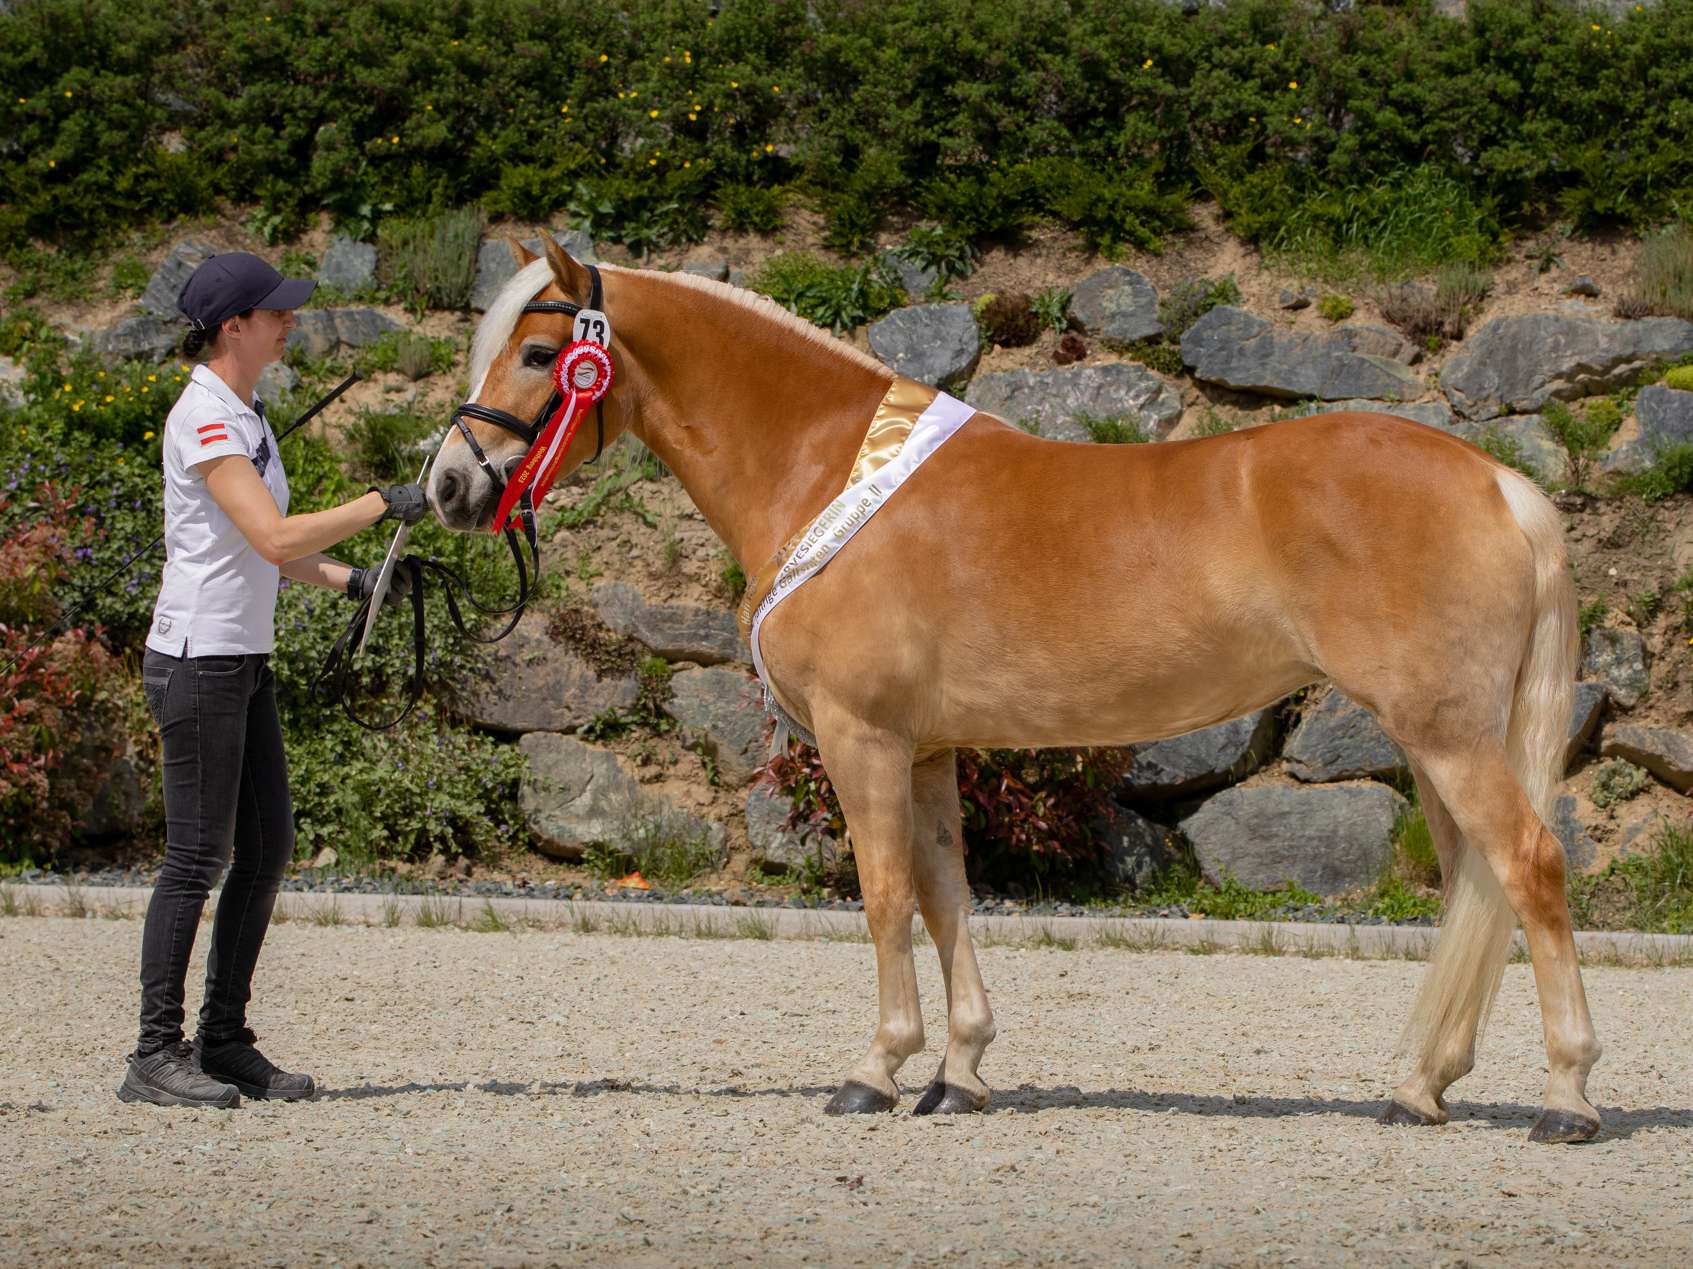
(449, 488)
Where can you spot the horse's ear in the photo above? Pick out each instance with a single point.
(571, 277)
(519, 252)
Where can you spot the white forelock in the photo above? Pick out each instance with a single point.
(501, 319)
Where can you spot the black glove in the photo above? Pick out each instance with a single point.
(361, 582)
(406, 503)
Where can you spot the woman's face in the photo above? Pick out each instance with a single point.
(263, 337)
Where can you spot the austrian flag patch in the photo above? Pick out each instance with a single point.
(213, 432)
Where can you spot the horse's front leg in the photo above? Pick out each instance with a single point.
(871, 772)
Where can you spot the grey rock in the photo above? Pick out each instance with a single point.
(348, 265)
(12, 377)
(1370, 340)
(1618, 659)
(314, 335)
(1236, 349)
(361, 327)
(775, 846)
(1664, 751)
(1327, 838)
(1205, 759)
(1136, 849)
(932, 343)
(1432, 413)
(1117, 304)
(1589, 708)
(917, 279)
(1520, 363)
(1665, 416)
(677, 632)
(724, 710)
(1579, 846)
(716, 269)
(140, 338)
(1338, 739)
(573, 794)
(1052, 398)
(275, 380)
(1293, 300)
(534, 684)
(1582, 285)
(495, 267)
(159, 299)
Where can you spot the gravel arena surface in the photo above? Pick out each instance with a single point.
(542, 1097)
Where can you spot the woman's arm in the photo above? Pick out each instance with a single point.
(237, 489)
(319, 570)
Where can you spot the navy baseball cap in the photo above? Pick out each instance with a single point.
(234, 282)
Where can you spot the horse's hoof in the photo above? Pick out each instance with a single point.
(1556, 1127)
(853, 1098)
(1397, 1114)
(942, 1098)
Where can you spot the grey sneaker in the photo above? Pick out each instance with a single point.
(237, 1062)
(171, 1077)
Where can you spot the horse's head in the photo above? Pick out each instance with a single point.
(511, 374)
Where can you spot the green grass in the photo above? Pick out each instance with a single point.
(489, 921)
(1663, 279)
(408, 353)
(1183, 885)
(327, 914)
(1649, 890)
(433, 912)
(1335, 308)
(1213, 424)
(1680, 378)
(1186, 302)
(1112, 429)
(667, 848)
(392, 911)
(429, 261)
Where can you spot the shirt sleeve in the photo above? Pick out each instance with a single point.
(200, 437)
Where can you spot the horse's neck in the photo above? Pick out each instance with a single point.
(760, 423)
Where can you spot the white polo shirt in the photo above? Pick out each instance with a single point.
(218, 594)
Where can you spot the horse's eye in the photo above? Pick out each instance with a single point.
(539, 357)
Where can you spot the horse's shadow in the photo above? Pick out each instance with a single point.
(1029, 1099)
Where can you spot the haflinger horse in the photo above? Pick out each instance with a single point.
(1022, 592)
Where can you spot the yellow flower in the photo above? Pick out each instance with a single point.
(393, 140)
(652, 162)
(769, 149)
(120, 462)
(667, 60)
(687, 162)
(267, 17)
(634, 93)
(775, 88)
(692, 115)
(1293, 83)
(564, 110)
(67, 387)
(52, 162)
(99, 374)
(75, 406)
(620, 96)
(1146, 65)
(146, 436)
(427, 106)
(652, 114)
(734, 83)
(1271, 47)
(1252, 118)
(145, 388)
(1595, 27)
(68, 91)
(603, 57)
(110, 398)
(183, 368)
(23, 101)
(687, 57)
(152, 378)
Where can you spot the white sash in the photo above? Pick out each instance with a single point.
(845, 516)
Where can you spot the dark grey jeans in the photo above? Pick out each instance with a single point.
(226, 795)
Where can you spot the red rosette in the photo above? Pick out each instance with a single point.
(583, 370)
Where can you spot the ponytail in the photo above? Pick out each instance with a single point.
(200, 338)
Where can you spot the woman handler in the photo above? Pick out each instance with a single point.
(209, 686)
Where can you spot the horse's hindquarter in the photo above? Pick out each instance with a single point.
(1024, 592)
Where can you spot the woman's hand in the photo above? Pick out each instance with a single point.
(405, 503)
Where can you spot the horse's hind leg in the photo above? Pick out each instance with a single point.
(1448, 1044)
(1493, 814)
(943, 894)
(871, 771)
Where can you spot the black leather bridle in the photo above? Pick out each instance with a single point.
(334, 678)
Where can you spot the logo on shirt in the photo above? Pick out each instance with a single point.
(164, 625)
(213, 432)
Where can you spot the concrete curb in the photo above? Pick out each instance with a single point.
(1374, 942)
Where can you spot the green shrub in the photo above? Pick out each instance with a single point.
(430, 261)
(1582, 433)
(837, 297)
(1680, 378)
(1113, 429)
(1166, 359)
(1186, 302)
(1670, 472)
(1051, 308)
(385, 447)
(408, 353)
(1335, 308)
(1663, 278)
(749, 209)
(1499, 444)
(944, 252)
(1649, 889)
(1618, 781)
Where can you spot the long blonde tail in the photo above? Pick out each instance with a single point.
(1475, 934)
